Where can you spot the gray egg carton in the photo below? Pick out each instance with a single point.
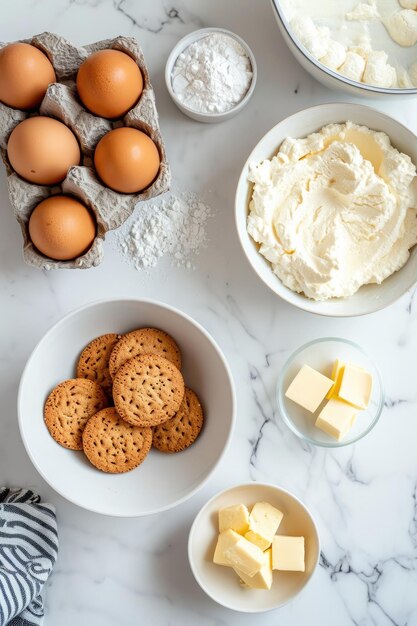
(61, 101)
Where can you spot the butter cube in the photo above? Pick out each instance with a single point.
(337, 374)
(309, 388)
(288, 554)
(336, 418)
(244, 556)
(225, 541)
(264, 521)
(235, 517)
(263, 578)
(356, 386)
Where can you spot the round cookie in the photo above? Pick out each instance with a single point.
(182, 430)
(112, 445)
(68, 408)
(94, 361)
(144, 341)
(148, 390)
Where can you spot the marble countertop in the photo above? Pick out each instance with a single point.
(120, 572)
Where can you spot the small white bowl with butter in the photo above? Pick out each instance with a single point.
(357, 157)
(258, 512)
(330, 393)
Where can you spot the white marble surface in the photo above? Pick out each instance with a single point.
(123, 572)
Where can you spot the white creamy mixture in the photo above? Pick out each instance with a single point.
(374, 41)
(335, 210)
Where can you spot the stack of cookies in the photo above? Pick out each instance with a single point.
(129, 395)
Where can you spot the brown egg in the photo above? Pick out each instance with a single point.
(109, 83)
(41, 150)
(25, 73)
(126, 160)
(62, 228)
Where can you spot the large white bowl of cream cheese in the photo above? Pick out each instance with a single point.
(369, 76)
(369, 173)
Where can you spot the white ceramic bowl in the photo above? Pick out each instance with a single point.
(180, 47)
(320, 354)
(222, 583)
(369, 298)
(324, 74)
(163, 480)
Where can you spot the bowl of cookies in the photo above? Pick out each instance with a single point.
(118, 396)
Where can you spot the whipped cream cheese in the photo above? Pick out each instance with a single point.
(372, 41)
(335, 210)
(402, 27)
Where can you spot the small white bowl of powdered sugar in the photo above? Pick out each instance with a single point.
(211, 74)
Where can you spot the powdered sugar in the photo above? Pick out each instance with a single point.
(174, 227)
(212, 75)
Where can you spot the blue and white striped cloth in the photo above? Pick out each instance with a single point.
(28, 551)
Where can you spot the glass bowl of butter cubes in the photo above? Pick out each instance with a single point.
(330, 393)
(253, 547)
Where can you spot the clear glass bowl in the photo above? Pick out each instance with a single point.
(321, 354)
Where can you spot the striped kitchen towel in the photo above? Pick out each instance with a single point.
(28, 551)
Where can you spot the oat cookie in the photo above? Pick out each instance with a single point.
(148, 390)
(144, 341)
(68, 408)
(183, 429)
(114, 446)
(94, 361)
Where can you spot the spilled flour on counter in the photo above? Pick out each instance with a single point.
(173, 226)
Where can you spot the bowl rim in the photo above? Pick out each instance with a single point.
(172, 309)
(200, 514)
(387, 91)
(306, 304)
(288, 421)
(191, 38)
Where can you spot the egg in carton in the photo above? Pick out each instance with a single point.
(61, 102)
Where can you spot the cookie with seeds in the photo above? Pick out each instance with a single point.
(144, 341)
(94, 361)
(148, 390)
(69, 407)
(114, 446)
(182, 430)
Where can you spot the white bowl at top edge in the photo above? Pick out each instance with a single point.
(369, 298)
(180, 47)
(162, 481)
(328, 77)
(222, 583)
